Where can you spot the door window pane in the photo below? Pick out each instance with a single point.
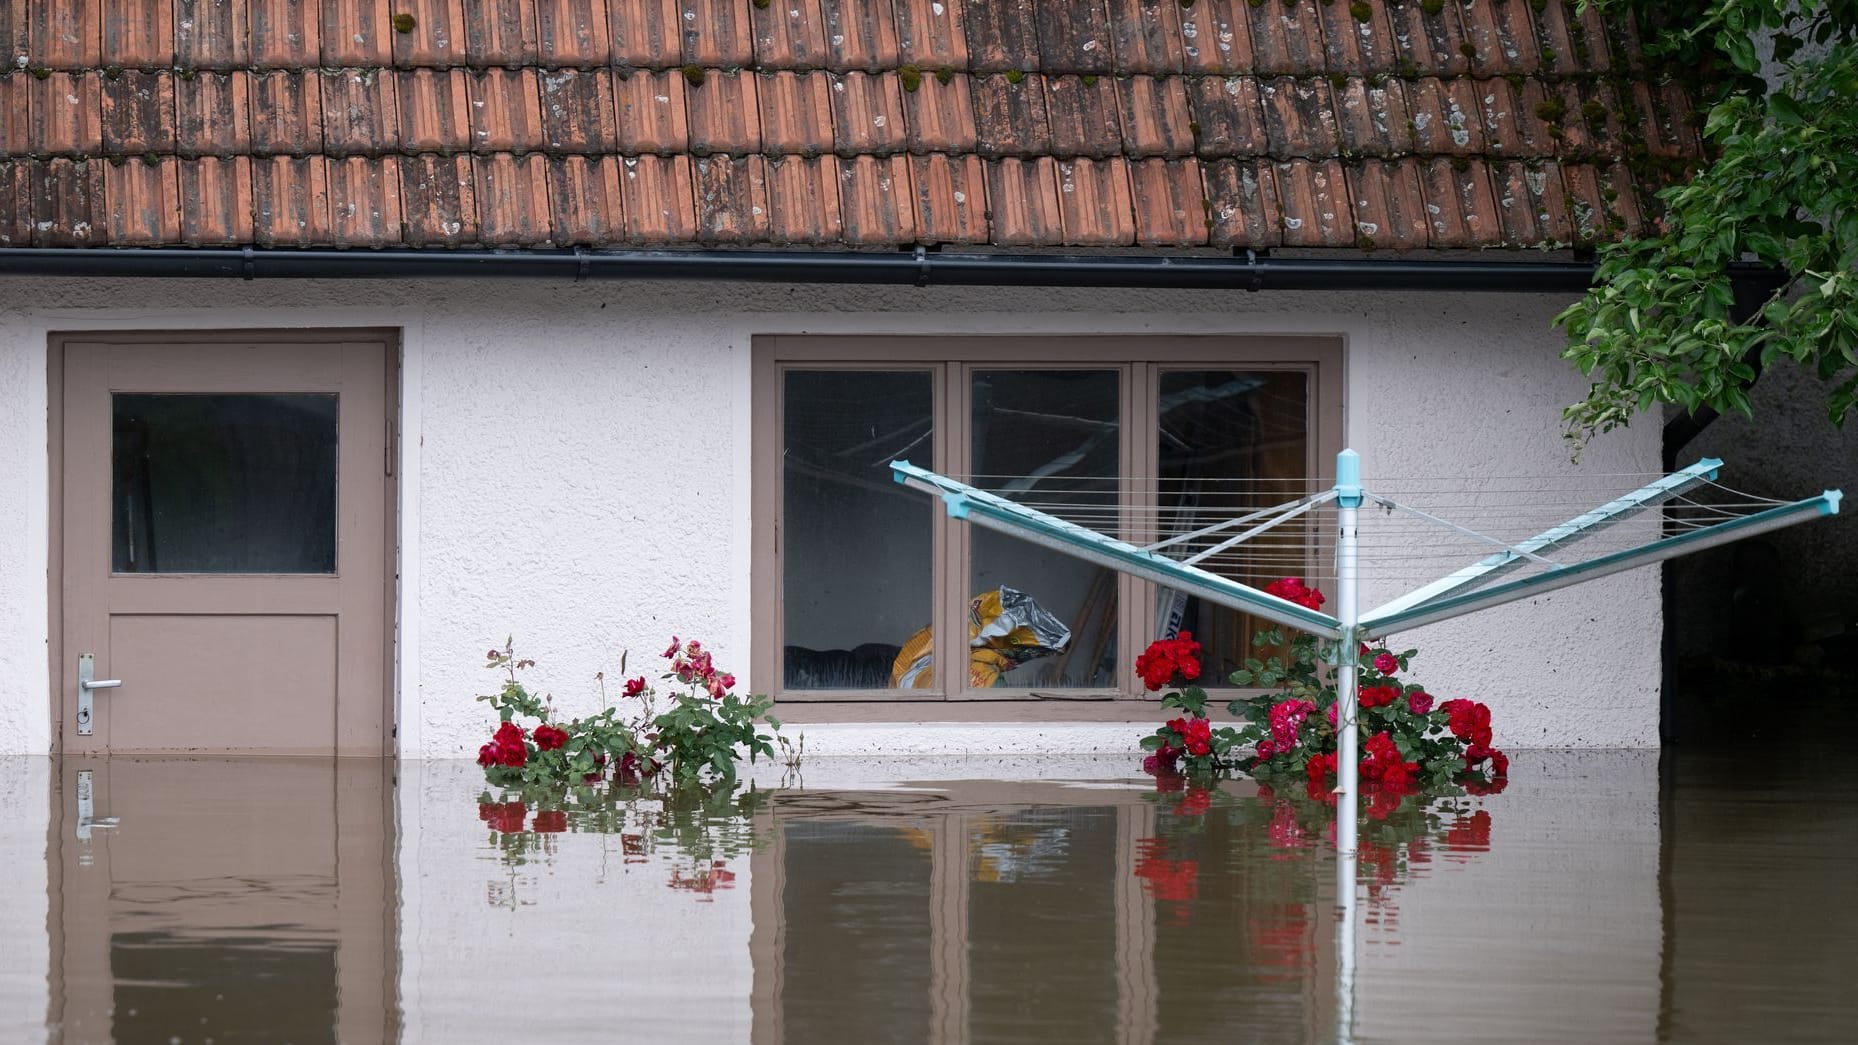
(857, 555)
(1050, 439)
(223, 483)
(1232, 442)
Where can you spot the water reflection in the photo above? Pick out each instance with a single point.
(305, 901)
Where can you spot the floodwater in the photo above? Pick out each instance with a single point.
(1598, 898)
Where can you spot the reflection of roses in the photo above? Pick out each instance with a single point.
(506, 817)
(550, 821)
(1197, 801)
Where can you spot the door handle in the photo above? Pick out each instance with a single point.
(86, 668)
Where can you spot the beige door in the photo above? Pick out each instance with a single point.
(223, 529)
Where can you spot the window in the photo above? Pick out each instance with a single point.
(864, 590)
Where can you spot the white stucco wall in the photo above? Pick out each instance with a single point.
(575, 467)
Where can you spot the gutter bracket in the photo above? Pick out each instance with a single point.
(1251, 267)
(248, 263)
(922, 266)
(583, 266)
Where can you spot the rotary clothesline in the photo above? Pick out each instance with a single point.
(1515, 569)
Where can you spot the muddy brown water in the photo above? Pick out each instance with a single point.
(1600, 897)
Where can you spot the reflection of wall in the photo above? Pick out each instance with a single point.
(1539, 931)
(580, 942)
(25, 789)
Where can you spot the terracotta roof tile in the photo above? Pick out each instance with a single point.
(1460, 203)
(1510, 122)
(1372, 120)
(724, 114)
(659, 208)
(1589, 118)
(1146, 36)
(939, 117)
(1002, 35)
(437, 37)
(1622, 198)
(1552, 32)
(1503, 35)
(732, 199)
(867, 114)
(860, 34)
(1430, 43)
(212, 115)
(1665, 120)
(876, 202)
(717, 33)
(355, 33)
(1243, 205)
(1154, 116)
(1094, 203)
(504, 110)
(1083, 116)
(1532, 206)
(645, 34)
(1587, 212)
(359, 116)
(1355, 44)
(788, 34)
(1287, 38)
(933, 35)
(67, 204)
(1446, 117)
(1299, 117)
(803, 200)
(216, 201)
(651, 112)
(951, 198)
(138, 113)
(364, 201)
(65, 114)
(503, 32)
(1171, 208)
(438, 196)
(1388, 203)
(62, 34)
(1314, 197)
(15, 115)
(1216, 37)
(138, 34)
(571, 32)
(1074, 37)
(290, 201)
(577, 111)
(286, 34)
(16, 203)
(585, 206)
(1010, 118)
(435, 110)
(15, 42)
(1022, 201)
(143, 203)
(1228, 116)
(287, 113)
(513, 205)
(796, 112)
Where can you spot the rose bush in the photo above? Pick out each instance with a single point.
(699, 735)
(1409, 742)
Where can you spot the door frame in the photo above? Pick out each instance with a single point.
(392, 465)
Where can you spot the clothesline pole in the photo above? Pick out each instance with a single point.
(1348, 678)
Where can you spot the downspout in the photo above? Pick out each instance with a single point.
(1752, 291)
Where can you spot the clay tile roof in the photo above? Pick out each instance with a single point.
(881, 124)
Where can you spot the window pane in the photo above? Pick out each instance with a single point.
(857, 564)
(223, 483)
(1050, 439)
(1232, 442)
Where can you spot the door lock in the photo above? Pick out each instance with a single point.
(86, 668)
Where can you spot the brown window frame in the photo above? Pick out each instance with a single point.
(952, 360)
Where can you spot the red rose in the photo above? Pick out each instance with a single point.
(636, 686)
(1292, 589)
(548, 737)
(550, 822)
(1386, 663)
(1419, 701)
(1165, 658)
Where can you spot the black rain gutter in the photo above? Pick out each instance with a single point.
(921, 268)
